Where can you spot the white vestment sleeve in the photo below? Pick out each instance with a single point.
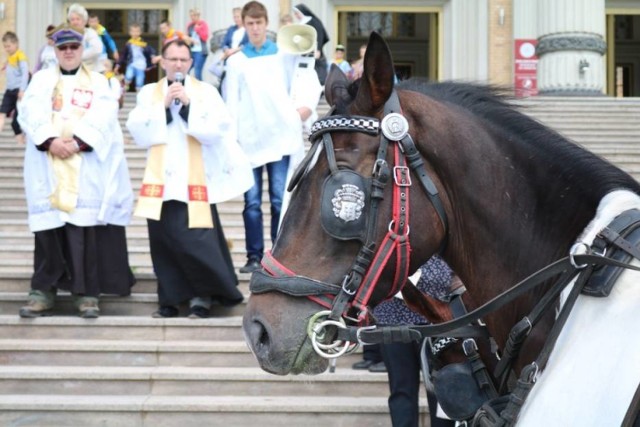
(209, 118)
(228, 168)
(232, 88)
(147, 122)
(35, 119)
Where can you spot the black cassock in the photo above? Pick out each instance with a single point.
(192, 262)
(83, 260)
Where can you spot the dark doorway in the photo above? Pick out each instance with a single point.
(623, 68)
(412, 38)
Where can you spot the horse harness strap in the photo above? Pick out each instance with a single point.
(455, 327)
(500, 412)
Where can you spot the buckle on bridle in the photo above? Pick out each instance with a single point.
(345, 282)
(400, 174)
(574, 251)
(377, 166)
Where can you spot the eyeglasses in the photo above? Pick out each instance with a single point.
(175, 60)
(68, 46)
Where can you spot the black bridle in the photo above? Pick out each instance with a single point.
(358, 284)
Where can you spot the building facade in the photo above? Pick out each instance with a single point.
(556, 47)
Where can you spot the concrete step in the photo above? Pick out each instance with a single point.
(170, 411)
(145, 283)
(110, 353)
(20, 259)
(184, 381)
(136, 304)
(128, 328)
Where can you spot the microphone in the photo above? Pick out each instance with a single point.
(178, 78)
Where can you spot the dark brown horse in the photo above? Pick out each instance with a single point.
(508, 196)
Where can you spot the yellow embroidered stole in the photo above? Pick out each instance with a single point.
(151, 193)
(65, 114)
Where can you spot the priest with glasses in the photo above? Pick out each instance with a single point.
(77, 183)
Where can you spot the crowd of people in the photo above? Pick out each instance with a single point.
(202, 148)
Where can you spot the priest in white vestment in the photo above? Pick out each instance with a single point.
(193, 162)
(269, 108)
(77, 183)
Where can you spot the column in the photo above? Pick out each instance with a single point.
(571, 47)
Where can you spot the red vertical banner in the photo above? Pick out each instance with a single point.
(526, 68)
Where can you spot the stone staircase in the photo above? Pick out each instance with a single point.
(127, 369)
(609, 127)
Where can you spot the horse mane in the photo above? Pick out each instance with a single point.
(568, 159)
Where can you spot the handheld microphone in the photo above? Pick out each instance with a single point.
(178, 78)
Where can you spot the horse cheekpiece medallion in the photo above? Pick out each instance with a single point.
(348, 202)
(394, 126)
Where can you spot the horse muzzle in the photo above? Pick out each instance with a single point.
(280, 344)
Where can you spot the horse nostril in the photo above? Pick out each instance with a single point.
(263, 340)
(259, 336)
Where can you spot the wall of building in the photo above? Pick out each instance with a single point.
(500, 20)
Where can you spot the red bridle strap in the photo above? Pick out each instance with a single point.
(396, 240)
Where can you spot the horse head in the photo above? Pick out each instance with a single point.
(336, 222)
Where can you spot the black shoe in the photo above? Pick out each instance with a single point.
(198, 312)
(378, 367)
(252, 265)
(166, 311)
(362, 365)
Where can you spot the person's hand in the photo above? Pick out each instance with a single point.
(304, 112)
(63, 147)
(156, 59)
(116, 56)
(176, 91)
(20, 94)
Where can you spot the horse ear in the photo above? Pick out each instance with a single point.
(377, 78)
(335, 86)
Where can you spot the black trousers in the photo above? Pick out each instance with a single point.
(403, 366)
(372, 352)
(9, 104)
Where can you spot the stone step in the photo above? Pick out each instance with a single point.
(170, 411)
(53, 352)
(578, 117)
(19, 257)
(128, 328)
(145, 283)
(110, 353)
(184, 381)
(136, 304)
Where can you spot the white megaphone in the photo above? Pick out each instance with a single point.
(298, 39)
